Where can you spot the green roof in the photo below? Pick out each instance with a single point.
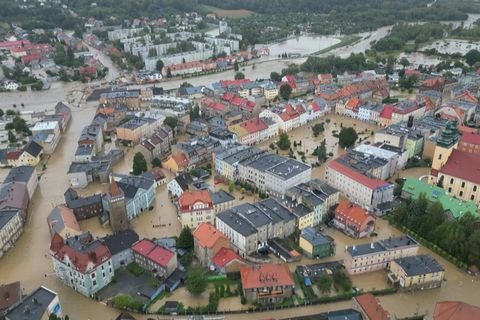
(457, 207)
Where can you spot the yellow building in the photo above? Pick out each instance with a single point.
(416, 272)
(29, 156)
(176, 162)
(456, 171)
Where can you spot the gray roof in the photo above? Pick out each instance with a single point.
(136, 123)
(184, 180)
(20, 174)
(282, 167)
(33, 148)
(131, 184)
(120, 241)
(6, 215)
(89, 167)
(221, 197)
(74, 201)
(84, 150)
(315, 237)
(238, 154)
(382, 245)
(419, 265)
(33, 306)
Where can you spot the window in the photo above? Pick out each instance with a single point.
(461, 194)
(472, 197)
(474, 188)
(440, 156)
(463, 184)
(449, 190)
(451, 180)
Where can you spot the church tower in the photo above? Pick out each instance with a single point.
(117, 208)
(446, 143)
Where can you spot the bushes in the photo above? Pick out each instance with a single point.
(127, 302)
(135, 269)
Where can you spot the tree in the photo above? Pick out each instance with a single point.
(408, 82)
(474, 248)
(235, 66)
(1, 113)
(11, 112)
(185, 239)
(321, 151)
(342, 281)
(139, 164)
(231, 186)
(194, 113)
(156, 163)
(196, 281)
(171, 122)
(275, 76)
(283, 142)
(472, 57)
(404, 62)
(324, 282)
(347, 137)
(285, 91)
(160, 65)
(239, 76)
(317, 129)
(11, 137)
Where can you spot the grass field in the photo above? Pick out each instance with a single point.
(345, 41)
(223, 13)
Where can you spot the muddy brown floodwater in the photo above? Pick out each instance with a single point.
(29, 262)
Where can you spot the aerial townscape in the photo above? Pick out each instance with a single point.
(208, 159)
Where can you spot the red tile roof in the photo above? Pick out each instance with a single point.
(467, 96)
(371, 307)
(350, 214)
(289, 113)
(357, 176)
(188, 200)
(253, 125)
(81, 260)
(266, 275)
(207, 235)
(14, 155)
(224, 256)
(455, 310)
(115, 190)
(180, 159)
(237, 83)
(463, 165)
(352, 103)
(387, 111)
(153, 252)
(472, 138)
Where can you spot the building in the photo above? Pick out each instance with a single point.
(120, 246)
(47, 134)
(62, 220)
(253, 131)
(267, 283)
(81, 174)
(30, 155)
(378, 255)
(10, 294)
(453, 207)
(416, 272)
(40, 304)
(25, 175)
(194, 208)
(353, 220)
(250, 226)
(180, 184)
(199, 150)
(176, 162)
(14, 195)
(207, 243)
(138, 129)
(138, 193)
(11, 227)
(370, 308)
(364, 190)
(273, 173)
(154, 258)
(158, 146)
(227, 261)
(82, 263)
(117, 208)
(227, 163)
(316, 245)
(469, 142)
(224, 136)
(83, 207)
(458, 310)
(317, 196)
(457, 171)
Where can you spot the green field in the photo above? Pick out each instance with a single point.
(223, 13)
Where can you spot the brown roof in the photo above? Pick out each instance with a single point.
(207, 235)
(371, 307)
(10, 294)
(115, 190)
(455, 310)
(266, 275)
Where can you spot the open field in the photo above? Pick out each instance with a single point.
(345, 41)
(224, 13)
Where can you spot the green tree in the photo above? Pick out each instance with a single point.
(284, 142)
(324, 282)
(171, 122)
(231, 186)
(285, 91)
(156, 163)
(11, 137)
(347, 137)
(472, 57)
(404, 62)
(194, 113)
(235, 66)
(474, 248)
(239, 76)
(408, 82)
(139, 164)
(317, 129)
(196, 280)
(1, 113)
(159, 66)
(342, 281)
(275, 76)
(185, 239)
(11, 112)
(321, 151)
